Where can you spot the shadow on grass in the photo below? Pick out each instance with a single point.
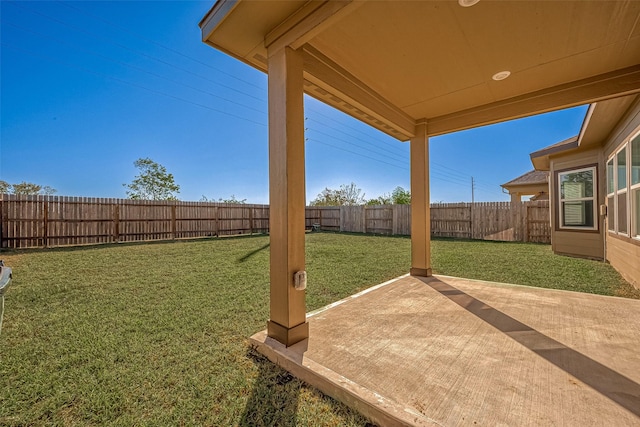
(252, 253)
(274, 398)
(106, 245)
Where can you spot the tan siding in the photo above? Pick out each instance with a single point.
(625, 257)
(577, 243)
(589, 245)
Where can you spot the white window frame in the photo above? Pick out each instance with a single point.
(611, 210)
(634, 226)
(593, 198)
(619, 192)
(633, 229)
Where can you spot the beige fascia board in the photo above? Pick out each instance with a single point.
(329, 76)
(604, 86)
(307, 22)
(566, 145)
(585, 122)
(218, 13)
(526, 189)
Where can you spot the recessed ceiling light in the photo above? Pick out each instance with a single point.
(467, 3)
(501, 75)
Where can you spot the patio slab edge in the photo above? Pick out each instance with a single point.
(379, 409)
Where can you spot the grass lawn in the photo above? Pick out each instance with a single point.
(155, 334)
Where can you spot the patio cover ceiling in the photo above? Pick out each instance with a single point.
(396, 64)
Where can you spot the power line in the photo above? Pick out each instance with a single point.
(137, 52)
(354, 144)
(140, 36)
(450, 171)
(447, 171)
(345, 125)
(368, 141)
(134, 67)
(357, 154)
(130, 83)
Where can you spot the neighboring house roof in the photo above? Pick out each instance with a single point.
(529, 178)
(531, 183)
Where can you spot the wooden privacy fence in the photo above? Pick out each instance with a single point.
(524, 222)
(32, 221)
(46, 221)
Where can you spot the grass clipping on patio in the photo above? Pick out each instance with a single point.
(157, 333)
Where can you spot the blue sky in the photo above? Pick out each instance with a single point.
(89, 87)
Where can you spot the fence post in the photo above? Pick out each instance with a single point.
(217, 222)
(471, 236)
(525, 223)
(173, 221)
(364, 218)
(251, 219)
(116, 222)
(45, 224)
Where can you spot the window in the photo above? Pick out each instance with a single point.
(623, 189)
(611, 195)
(621, 193)
(577, 198)
(635, 186)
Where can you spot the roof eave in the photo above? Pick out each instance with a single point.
(216, 15)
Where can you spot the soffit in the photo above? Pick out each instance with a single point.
(603, 120)
(241, 29)
(434, 59)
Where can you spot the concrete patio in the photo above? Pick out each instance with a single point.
(450, 351)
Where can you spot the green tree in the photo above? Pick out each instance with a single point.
(233, 200)
(385, 199)
(230, 200)
(48, 190)
(400, 196)
(346, 195)
(153, 183)
(26, 189)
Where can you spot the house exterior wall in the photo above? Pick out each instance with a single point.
(582, 243)
(625, 257)
(621, 251)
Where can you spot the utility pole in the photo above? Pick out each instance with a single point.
(473, 187)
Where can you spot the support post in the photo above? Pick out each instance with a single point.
(287, 322)
(420, 209)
